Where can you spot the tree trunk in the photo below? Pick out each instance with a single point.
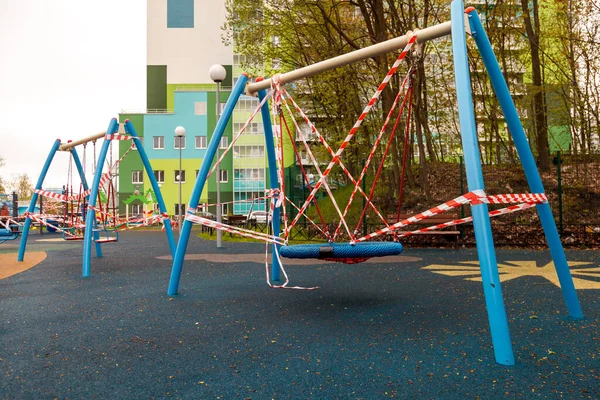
(539, 103)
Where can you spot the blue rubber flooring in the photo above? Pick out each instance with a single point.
(371, 331)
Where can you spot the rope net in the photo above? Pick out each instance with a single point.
(286, 114)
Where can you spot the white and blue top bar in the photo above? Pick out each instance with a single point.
(424, 35)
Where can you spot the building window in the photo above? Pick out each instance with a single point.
(176, 176)
(160, 176)
(200, 108)
(200, 142)
(180, 13)
(224, 142)
(224, 176)
(255, 151)
(180, 142)
(179, 207)
(253, 128)
(137, 177)
(137, 209)
(224, 209)
(247, 174)
(159, 142)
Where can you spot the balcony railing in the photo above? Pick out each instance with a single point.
(148, 111)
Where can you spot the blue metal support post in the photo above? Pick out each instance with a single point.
(273, 180)
(130, 130)
(90, 217)
(211, 151)
(85, 188)
(531, 173)
(481, 221)
(34, 198)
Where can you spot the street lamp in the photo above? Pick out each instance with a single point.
(179, 133)
(218, 74)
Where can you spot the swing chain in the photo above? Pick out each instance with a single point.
(94, 166)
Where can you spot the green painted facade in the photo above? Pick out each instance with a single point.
(131, 162)
(156, 86)
(170, 187)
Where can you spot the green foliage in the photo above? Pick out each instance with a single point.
(22, 185)
(2, 187)
(142, 197)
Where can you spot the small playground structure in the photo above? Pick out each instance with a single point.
(90, 213)
(359, 247)
(9, 217)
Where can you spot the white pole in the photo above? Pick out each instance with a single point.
(219, 209)
(432, 32)
(218, 73)
(179, 134)
(179, 208)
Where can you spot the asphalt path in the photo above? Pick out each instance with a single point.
(410, 327)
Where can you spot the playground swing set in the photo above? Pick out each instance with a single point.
(360, 248)
(91, 215)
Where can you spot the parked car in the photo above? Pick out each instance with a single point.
(259, 217)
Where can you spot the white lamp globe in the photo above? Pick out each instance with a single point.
(180, 131)
(217, 73)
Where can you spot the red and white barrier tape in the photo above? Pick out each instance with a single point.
(234, 229)
(118, 137)
(475, 197)
(43, 222)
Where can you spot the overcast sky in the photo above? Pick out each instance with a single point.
(66, 68)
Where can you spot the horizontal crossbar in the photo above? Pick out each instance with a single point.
(70, 145)
(430, 33)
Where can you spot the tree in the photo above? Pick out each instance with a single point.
(22, 185)
(2, 187)
(303, 32)
(532, 28)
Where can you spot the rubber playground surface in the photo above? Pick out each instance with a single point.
(412, 326)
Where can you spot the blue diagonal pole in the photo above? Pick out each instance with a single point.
(85, 188)
(481, 221)
(531, 173)
(211, 151)
(34, 198)
(90, 217)
(130, 130)
(273, 179)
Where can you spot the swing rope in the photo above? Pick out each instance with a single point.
(404, 155)
(329, 149)
(407, 97)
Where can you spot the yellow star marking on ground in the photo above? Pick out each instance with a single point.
(517, 269)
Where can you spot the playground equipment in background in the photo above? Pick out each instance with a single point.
(9, 215)
(92, 212)
(477, 198)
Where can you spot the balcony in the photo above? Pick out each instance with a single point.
(148, 111)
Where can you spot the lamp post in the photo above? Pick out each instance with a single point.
(179, 133)
(218, 73)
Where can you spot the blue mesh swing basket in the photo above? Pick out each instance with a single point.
(343, 252)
